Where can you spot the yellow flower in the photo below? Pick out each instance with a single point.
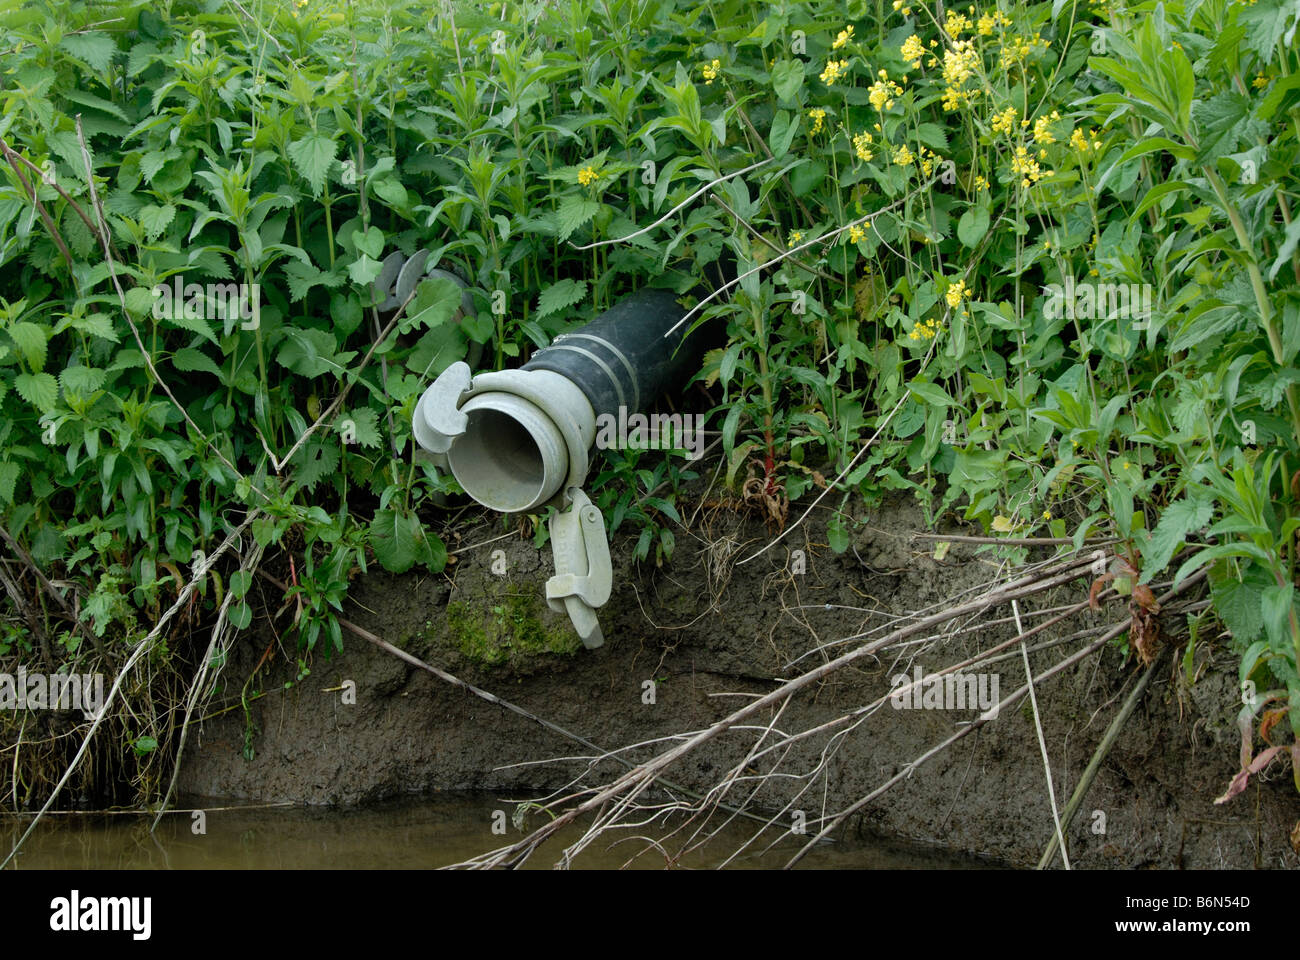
(795, 238)
(1025, 165)
(955, 24)
(991, 21)
(834, 70)
(1016, 49)
(1047, 514)
(818, 116)
(882, 92)
(960, 64)
(861, 146)
(711, 71)
(981, 183)
(903, 156)
(1042, 134)
(843, 37)
(913, 50)
(856, 234)
(1260, 82)
(902, 5)
(1004, 121)
(1083, 142)
(956, 293)
(924, 330)
(587, 176)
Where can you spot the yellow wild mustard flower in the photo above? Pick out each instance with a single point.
(903, 156)
(862, 146)
(1042, 135)
(955, 24)
(587, 176)
(856, 234)
(882, 92)
(992, 21)
(843, 37)
(834, 70)
(913, 50)
(711, 71)
(795, 238)
(818, 117)
(981, 183)
(1003, 122)
(960, 64)
(1260, 82)
(957, 292)
(1026, 166)
(1017, 49)
(901, 5)
(928, 160)
(924, 330)
(1083, 142)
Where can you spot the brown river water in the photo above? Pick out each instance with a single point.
(410, 834)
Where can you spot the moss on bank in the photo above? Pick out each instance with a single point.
(497, 630)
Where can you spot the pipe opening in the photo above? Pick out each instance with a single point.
(511, 457)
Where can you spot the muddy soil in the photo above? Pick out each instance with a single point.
(708, 633)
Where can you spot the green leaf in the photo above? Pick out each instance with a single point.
(782, 134)
(393, 536)
(837, 534)
(371, 242)
(362, 425)
(302, 277)
(190, 359)
(318, 459)
(364, 270)
(972, 226)
(1178, 520)
(9, 471)
(152, 161)
(436, 301)
(240, 581)
(145, 745)
(82, 381)
(560, 295)
(30, 339)
(312, 156)
(240, 615)
(193, 324)
(156, 219)
(39, 389)
(1287, 248)
(1275, 606)
(1155, 195)
(139, 301)
(931, 393)
(96, 325)
(391, 192)
(787, 78)
(93, 49)
(574, 212)
(311, 353)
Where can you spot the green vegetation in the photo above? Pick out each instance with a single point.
(506, 630)
(962, 222)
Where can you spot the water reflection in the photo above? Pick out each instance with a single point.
(409, 834)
